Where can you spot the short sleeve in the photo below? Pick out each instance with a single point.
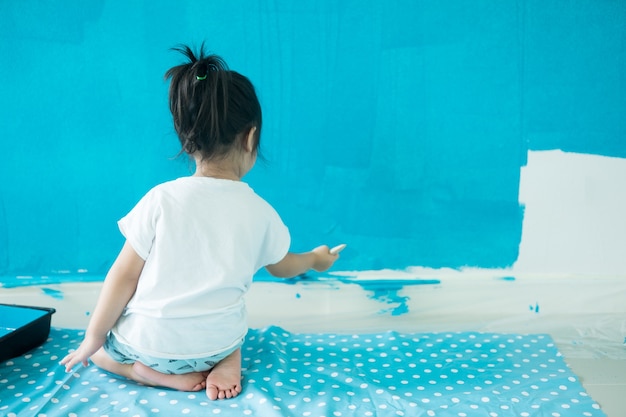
(277, 241)
(139, 225)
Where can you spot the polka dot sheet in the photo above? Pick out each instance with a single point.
(287, 374)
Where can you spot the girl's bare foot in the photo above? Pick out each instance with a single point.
(224, 380)
(193, 381)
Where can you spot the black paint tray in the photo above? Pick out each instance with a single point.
(22, 328)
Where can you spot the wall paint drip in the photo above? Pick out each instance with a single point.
(398, 128)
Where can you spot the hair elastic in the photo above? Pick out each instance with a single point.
(199, 78)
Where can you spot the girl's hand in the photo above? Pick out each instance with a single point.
(293, 264)
(119, 286)
(325, 257)
(87, 348)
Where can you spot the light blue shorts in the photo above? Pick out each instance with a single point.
(127, 355)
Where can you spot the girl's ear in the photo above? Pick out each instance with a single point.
(250, 140)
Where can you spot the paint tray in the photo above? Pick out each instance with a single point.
(22, 328)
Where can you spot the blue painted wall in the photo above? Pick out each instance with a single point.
(397, 127)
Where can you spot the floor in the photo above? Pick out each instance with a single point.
(605, 380)
(586, 317)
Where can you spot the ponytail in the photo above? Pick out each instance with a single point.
(210, 104)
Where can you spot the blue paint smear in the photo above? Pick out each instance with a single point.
(506, 278)
(57, 294)
(388, 291)
(24, 281)
(384, 290)
(300, 279)
(534, 308)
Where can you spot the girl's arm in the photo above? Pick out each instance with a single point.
(119, 286)
(319, 259)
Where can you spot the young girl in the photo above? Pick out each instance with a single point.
(171, 310)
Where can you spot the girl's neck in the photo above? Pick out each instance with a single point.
(220, 169)
(215, 173)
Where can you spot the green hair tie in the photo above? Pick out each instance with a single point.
(199, 78)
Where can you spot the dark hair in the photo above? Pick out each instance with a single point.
(213, 107)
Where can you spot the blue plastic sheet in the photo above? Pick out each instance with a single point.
(287, 374)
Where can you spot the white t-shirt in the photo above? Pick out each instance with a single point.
(202, 239)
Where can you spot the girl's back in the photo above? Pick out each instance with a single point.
(203, 240)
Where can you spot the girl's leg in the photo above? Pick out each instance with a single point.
(138, 372)
(224, 380)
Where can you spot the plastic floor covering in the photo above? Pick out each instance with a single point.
(460, 374)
